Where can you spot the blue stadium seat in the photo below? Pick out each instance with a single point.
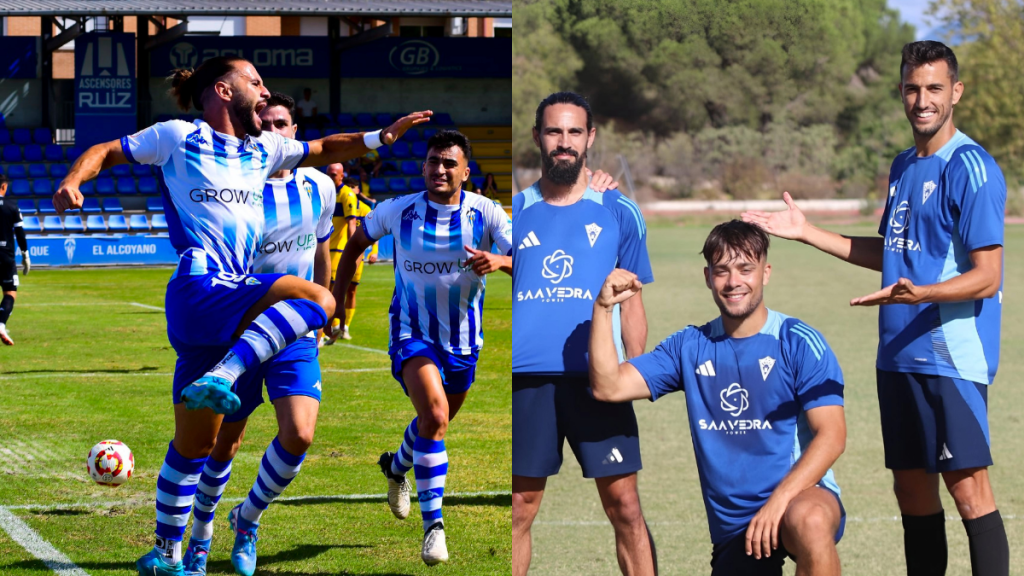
(125, 185)
(419, 150)
(74, 224)
(3, 121)
(37, 171)
(400, 149)
(389, 169)
(385, 153)
(22, 136)
(345, 120)
(121, 170)
(411, 135)
(116, 223)
(32, 224)
(88, 187)
(91, 206)
(428, 132)
(398, 185)
(105, 185)
(5, 136)
(383, 119)
(147, 185)
(138, 222)
(52, 224)
(20, 188)
(142, 170)
(42, 136)
(17, 171)
(72, 153)
(112, 205)
(378, 185)
(53, 153)
(12, 153)
(331, 131)
(58, 170)
(474, 168)
(312, 134)
(478, 182)
(364, 119)
(27, 206)
(410, 168)
(417, 184)
(324, 119)
(96, 223)
(33, 153)
(42, 186)
(442, 119)
(46, 207)
(159, 222)
(154, 204)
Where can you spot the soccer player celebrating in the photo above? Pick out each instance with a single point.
(298, 206)
(941, 259)
(443, 237)
(11, 229)
(212, 174)
(567, 239)
(754, 381)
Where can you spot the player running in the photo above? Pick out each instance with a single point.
(941, 259)
(436, 315)
(298, 206)
(568, 238)
(755, 380)
(11, 229)
(211, 174)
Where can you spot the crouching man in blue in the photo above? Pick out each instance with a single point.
(764, 394)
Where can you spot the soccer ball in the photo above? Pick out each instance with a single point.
(110, 463)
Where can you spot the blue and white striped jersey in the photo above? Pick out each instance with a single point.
(436, 298)
(298, 211)
(212, 189)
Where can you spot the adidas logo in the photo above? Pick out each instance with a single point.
(530, 241)
(706, 369)
(946, 454)
(613, 457)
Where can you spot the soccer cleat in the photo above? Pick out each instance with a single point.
(398, 487)
(435, 550)
(195, 557)
(243, 553)
(211, 392)
(5, 337)
(344, 334)
(153, 564)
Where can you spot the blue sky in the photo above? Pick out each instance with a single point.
(913, 11)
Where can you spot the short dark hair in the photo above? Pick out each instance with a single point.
(188, 86)
(917, 54)
(279, 99)
(735, 236)
(4, 179)
(564, 97)
(445, 139)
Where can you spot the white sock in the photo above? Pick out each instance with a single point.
(230, 368)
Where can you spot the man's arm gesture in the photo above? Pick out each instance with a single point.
(787, 224)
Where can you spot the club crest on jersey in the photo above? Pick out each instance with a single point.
(593, 231)
(308, 188)
(929, 187)
(250, 281)
(195, 138)
(766, 366)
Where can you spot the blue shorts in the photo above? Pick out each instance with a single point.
(457, 371)
(937, 423)
(547, 410)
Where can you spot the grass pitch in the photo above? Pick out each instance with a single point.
(572, 536)
(91, 363)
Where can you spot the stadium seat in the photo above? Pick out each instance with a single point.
(91, 205)
(410, 168)
(378, 185)
(5, 137)
(147, 185)
(398, 185)
(400, 149)
(22, 136)
(112, 205)
(72, 153)
(138, 222)
(411, 135)
(12, 153)
(3, 121)
(37, 171)
(154, 204)
(27, 206)
(42, 136)
(345, 120)
(53, 224)
(125, 185)
(31, 224)
(389, 169)
(419, 150)
(312, 134)
(74, 224)
(428, 132)
(159, 222)
(474, 168)
(385, 153)
(46, 207)
(54, 153)
(20, 188)
(383, 119)
(116, 223)
(417, 184)
(332, 131)
(324, 119)
(88, 187)
(121, 170)
(95, 223)
(17, 171)
(364, 119)
(442, 119)
(33, 153)
(105, 185)
(142, 170)
(42, 186)
(58, 170)
(478, 182)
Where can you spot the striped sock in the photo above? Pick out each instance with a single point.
(211, 486)
(430, 467)
(175, 490)
(402, 461)
(277, 470)
(279, 326)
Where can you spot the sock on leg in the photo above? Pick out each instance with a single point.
(430, 461)
(990, 551)
(277, 470)
(279, 326)
(402, 462)
(924, 543)
(211, 486)
(349, 313)
(6, 307)
(175, 491)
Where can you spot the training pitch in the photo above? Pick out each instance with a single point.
(92, 362)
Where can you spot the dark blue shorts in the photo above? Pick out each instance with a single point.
(936, 423)
(457, 371)
(547, 410)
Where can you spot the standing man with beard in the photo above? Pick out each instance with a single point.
(566, 239)
(941, 259)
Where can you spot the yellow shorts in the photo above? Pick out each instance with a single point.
(336, 259)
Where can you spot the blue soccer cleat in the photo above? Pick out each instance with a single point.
(211, 392)
(243, 553)
(195, 557)
(153, 564)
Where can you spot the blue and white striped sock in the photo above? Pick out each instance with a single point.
(279, 326)
(402, 461)
(211, 486)
(430, 466)
(277, 470)
(175, 491)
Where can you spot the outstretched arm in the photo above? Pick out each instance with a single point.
(864, 251)
(981, 281)
(609, 380)
(339, 148)
(88, 166)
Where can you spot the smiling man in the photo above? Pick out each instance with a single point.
(941, 259)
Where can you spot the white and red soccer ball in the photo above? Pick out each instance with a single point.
(110, 463)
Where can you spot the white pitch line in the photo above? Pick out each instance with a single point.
(363, 348)
(165, 374)
(146, 306)
(41, 549)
